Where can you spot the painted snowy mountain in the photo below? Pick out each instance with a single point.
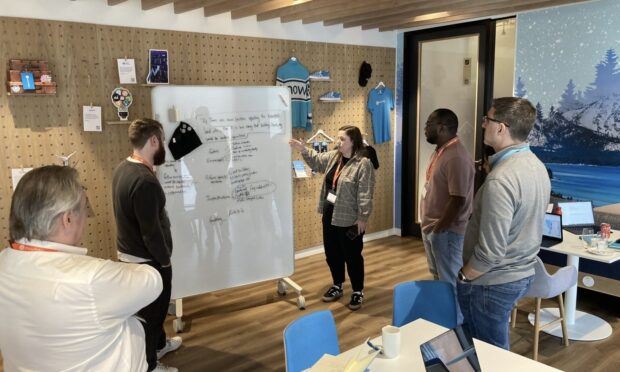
(601, 116)
(586, 135)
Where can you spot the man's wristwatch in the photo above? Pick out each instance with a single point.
(461, 276)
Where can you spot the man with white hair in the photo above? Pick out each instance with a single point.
(61, 309)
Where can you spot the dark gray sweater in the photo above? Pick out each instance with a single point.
(504, 233)
(142, 224)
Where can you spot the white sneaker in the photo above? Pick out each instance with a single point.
(172, 344)
(164, 368)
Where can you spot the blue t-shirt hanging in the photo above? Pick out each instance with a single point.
(380, 103)
(295, 76)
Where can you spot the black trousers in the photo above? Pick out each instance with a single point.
(154, 315)
(341, 251)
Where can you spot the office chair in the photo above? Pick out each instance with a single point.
(431, 300)
(547, 286)
(307, 338)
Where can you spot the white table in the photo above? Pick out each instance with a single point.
(491, 358)
(581, 325)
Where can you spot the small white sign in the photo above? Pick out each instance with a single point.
(92, 118)
(17, 174)
(126, 71)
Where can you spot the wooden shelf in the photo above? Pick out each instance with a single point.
(30, 94)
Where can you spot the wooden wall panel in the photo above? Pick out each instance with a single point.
(83, 63)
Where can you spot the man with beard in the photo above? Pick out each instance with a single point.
(143, 228)
(446, 198)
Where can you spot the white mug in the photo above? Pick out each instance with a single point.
(391, 341)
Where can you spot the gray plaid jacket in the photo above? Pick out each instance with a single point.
(354, 190)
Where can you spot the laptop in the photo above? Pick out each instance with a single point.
(450, 351)
(552, 230)
(576, 216)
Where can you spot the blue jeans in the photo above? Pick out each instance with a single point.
(486, 309)
(444, 253)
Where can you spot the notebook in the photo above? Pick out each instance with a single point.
(552, 230)
(450, 351)
(576, 216)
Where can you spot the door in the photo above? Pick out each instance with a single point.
(449, 68)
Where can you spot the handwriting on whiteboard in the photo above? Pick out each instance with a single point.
(224, 170)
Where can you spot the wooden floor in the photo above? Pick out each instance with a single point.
(241, 329)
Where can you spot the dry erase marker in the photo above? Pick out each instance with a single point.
(374, 347)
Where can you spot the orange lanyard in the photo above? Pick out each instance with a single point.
(436, 156)
(30, 248)
(143, 161)
(337, 174)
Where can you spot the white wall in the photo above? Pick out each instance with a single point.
(504, 58)
(442, 86)
(130, 14)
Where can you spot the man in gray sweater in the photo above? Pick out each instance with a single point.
(504, 234)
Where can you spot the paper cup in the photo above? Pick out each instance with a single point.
(391, 341)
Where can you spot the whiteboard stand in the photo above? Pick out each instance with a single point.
(284, 284)
(229, 200)
(176, 308)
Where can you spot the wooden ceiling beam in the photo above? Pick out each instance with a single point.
(459, 6)
(151, 4)
(182, 6)
(471, 15)
(226, 6)
(401, 12)
(298, 9)
(265, 7)
(386, 15)
(363, 7)
(335, 8)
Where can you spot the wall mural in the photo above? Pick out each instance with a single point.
(567, 65)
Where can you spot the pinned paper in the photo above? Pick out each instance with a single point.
(91, 116)
(126, 71)
(17, 174)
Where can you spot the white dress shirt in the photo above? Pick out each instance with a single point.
(65, 311)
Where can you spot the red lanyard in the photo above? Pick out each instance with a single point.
(143, 161)
(337, 174)
(24, 247)
(436, 156)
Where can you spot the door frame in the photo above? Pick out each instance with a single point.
(486, 56)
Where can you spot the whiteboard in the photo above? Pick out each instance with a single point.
(230, 200)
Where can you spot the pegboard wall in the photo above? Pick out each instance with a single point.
(82, 59)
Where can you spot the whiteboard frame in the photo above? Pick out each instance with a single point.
(197, 268)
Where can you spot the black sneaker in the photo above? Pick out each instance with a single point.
(357, 298)
(332, 294)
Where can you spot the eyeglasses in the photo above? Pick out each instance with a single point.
(486, 118)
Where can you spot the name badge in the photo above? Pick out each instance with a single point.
(424, 190)
(331, 197)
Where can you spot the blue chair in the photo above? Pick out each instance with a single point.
(307, 338)
(431, 300)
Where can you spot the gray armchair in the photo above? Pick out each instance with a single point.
(547, 286)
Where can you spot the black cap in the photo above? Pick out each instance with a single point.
(184, 140)
(365, 73)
